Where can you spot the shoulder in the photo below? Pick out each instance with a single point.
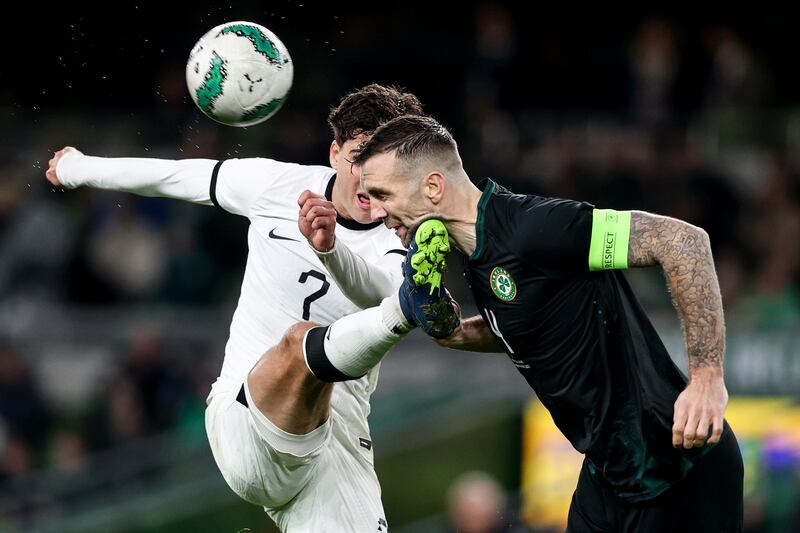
(542, 209)
(265, 168)
(275, 177)
(506, 210)
(263, 184)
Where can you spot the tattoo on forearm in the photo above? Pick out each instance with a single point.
(684, 253)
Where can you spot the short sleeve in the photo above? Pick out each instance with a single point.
(569, 236)
(555, 234)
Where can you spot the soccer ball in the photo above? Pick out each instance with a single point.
(239, 73)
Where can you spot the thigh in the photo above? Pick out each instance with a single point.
(343, 495)
(709, 498)
(283, 388)
(592, 508)
(255, 469)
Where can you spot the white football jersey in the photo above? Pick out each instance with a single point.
(284, 281)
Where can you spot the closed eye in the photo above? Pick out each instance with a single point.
(378, 194)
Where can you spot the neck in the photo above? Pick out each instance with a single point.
(338, 200)
(461, 225)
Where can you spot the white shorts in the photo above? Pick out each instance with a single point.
(323, 481)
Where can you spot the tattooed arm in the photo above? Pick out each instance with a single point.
(684, 253)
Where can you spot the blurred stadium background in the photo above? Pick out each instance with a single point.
(114, 309)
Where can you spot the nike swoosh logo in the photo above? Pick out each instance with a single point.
(278, 237)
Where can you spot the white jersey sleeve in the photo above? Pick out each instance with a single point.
(187, 179)
(241, 186)
(234, 185)
(363, 283)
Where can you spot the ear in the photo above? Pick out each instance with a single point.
(433, 186)
(334, 152)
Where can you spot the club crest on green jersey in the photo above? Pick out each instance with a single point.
(503, 285)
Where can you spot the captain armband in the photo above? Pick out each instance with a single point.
(609, 245)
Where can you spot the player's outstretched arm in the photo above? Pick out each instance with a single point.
(364, 284)
(684, 253)
(186, 179)
(472, 335)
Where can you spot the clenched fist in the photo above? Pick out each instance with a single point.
(51, 175)
(317, 220)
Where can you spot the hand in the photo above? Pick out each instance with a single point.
(457, 341)
(317, 220)
(50, 174)
(701, 405)
(454, 340)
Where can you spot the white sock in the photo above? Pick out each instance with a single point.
(356, 343)
(393, 317)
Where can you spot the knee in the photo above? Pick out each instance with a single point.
(292, 341)
(286, 358)
(296, 333)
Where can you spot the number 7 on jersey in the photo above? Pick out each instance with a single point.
(314, 295)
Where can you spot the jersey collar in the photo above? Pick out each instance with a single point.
(346, 222)
(487, 186)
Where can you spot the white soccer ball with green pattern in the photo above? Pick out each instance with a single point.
(239, 73)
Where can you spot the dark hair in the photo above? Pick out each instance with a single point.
(364, 109)
(410, 137)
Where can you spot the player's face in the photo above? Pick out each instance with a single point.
(354, 200)
(394, 199)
